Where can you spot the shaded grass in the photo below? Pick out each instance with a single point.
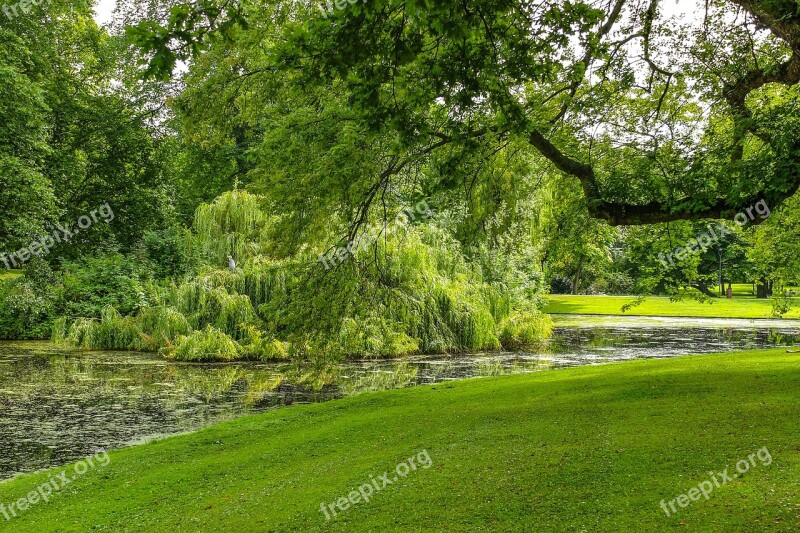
(740, 290)
(663, 306)
(585, 449)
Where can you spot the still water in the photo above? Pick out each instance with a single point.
(58, 406)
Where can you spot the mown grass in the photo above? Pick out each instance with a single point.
(742, 290)
(586, 449)
(662, 306)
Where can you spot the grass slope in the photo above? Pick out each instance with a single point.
(586, 449)
(663, 306)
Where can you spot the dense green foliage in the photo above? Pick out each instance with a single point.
(530, 147)
(69, 141)
(411, 291)
(654, 117)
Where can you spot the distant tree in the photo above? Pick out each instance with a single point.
(71, 138)
(772, 249)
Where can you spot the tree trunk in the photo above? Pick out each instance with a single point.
(764, 289)
(705, 290)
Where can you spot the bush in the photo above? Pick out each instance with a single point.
(619, 283)
(30, 303)
(111, 332)
(84, 288)
(560, 285)
(166, 250)
(161, 327)
(209, 344)
(91, 284)
(264, 348)
(524, 328)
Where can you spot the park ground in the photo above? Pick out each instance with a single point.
(742, 305)
(593, 448)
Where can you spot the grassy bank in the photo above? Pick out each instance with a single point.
(593, 448)
(662, 306)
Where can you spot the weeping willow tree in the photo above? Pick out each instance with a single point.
(234, 225)
(411, 291)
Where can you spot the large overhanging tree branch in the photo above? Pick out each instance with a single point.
(594, 88)
(783, 21)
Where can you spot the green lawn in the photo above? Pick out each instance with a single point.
(662, 306)
(588, 449)
(742, 290)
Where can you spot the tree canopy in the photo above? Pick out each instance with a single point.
(656, 118)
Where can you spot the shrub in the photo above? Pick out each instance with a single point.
(30, 303)
(524, 328)
(111, 332)
(58, 333)
(560, 285)
(264, 348)
(161, 326)
(91, 284)
(209, 344)
(620, 283)
(166, 249)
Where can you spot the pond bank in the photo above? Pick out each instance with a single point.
(665, 307)
(59, 406)
(596, 447)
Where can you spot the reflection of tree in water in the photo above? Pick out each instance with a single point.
(774, 336)
(206, 385)
(351, 379)
(496, 367)
(316, 377)
(60, 406)
(397, 376)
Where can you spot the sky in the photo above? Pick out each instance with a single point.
(103, 9)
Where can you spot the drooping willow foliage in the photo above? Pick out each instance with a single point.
(413, 291)
(233, 224)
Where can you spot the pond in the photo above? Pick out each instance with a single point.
(58, 406)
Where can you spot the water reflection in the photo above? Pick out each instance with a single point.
(56, 407)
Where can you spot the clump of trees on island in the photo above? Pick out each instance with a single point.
(412, 291)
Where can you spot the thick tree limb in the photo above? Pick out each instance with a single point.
(782, 18)
(626, 214)
(787, 74)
